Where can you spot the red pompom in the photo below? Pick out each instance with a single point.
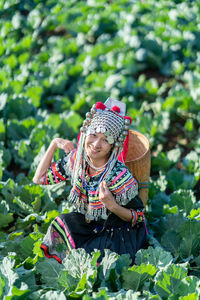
(100, 105)
(129, 118)
(116, 109)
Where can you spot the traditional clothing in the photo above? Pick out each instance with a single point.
(91, 226)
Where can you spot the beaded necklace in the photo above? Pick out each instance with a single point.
(88, 176)
(95, 185)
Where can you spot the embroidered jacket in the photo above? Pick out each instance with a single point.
(85, 196)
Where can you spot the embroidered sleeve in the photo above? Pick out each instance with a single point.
(60, 170)
(123, 185)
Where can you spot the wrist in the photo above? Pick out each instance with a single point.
(53, 145)
(113, 207)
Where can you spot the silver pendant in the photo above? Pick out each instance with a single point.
(87, 178)
(87, 220)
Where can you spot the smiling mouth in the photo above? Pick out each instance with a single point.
(94, 151)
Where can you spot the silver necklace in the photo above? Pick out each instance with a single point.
(92, 166)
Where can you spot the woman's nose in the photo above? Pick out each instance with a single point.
(97, 143)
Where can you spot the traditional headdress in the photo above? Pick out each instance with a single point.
(110, 119)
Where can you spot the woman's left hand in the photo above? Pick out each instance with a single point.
(105, 196)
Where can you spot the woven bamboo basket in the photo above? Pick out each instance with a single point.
(138, 160)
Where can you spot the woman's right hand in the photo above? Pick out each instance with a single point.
(45, 163)
(63, 144)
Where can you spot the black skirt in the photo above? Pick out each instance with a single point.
(71, 231)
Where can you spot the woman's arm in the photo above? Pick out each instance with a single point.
(106, 197)
(45, 163)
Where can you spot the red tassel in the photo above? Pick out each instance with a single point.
(116, 109)
(100, 105)
(128, 118)
(122, 156)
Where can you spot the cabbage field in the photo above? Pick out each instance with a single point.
(57, 58)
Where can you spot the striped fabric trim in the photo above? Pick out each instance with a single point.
(62, 230)
(62, 234)
(120, 175)
(53, 171)
(125, 182)
(45, 180)
(53, 174)
(94, 193)
(57, 173)
(126, 186)
(79, 187)
(46, 253)
(79, 193)
(50, 177)
(96, 205)
(61, 223)
(121, 181)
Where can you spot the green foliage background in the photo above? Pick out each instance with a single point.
(57, 58)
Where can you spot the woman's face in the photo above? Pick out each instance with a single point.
(97, 148)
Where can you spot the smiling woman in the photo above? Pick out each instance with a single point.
(108, 214)
(98, 149)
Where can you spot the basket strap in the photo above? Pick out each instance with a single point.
(144, 185)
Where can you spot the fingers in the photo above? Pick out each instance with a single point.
(105, 196)
(66, 145)
(57, 143)
(103, 186)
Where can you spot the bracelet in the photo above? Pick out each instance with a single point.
(134, 217)
(137, 216)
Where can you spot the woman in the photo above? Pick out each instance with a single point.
(108, 214)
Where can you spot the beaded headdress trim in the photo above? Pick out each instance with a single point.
(109, 121)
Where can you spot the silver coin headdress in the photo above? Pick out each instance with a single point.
(109, 119)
